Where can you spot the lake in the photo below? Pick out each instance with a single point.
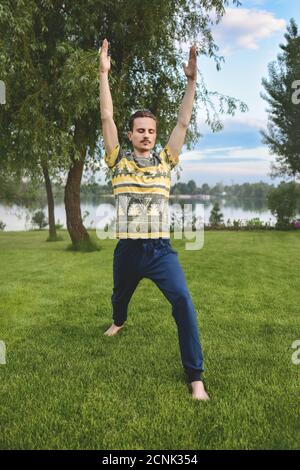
(19, 218)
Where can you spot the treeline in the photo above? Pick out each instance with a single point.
(32, 193)
(258, 190)
(25, 193)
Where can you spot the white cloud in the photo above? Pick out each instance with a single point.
(261, 169)
(257, 152)
(195, 164)
(238, 153)
(244, 28)
(253, 122)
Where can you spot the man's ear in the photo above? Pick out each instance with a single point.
(129, 134)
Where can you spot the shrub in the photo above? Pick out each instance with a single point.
(216, 217)
(237, 224)
(282, 202)
(39, 219)
(255, 223)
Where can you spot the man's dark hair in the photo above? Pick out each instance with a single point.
(140, 113)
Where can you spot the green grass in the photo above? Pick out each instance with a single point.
(67, 386)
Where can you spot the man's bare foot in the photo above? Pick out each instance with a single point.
(113, 330)
(198, 390)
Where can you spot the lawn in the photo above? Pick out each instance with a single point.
(67, 386)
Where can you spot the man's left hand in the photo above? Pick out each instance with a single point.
(190, 69)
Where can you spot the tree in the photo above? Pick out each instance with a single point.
(192, 187)
(282, 134)
(49, 59)
(39, 219)
(283, 202)
(205, 189)
(216, 217)
(28, 132)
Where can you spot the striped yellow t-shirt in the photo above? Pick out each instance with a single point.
(141, 186)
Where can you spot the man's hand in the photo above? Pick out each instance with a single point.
(104, 65)
(110, 132)
(177, 136)
(190, 69)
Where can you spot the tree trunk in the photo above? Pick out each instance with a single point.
(50, 201)
(76, 229)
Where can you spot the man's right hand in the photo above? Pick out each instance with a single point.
(104, 65)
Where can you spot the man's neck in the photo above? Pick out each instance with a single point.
(146, 154)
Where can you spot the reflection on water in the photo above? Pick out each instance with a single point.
(19, 218)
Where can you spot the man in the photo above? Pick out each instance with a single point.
(141, 182)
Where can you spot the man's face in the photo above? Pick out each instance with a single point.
(143, 136)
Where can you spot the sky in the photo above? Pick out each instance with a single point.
(248, 37)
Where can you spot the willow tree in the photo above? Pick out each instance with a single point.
(30, 137)
(60, 42)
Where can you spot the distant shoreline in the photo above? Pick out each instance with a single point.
(178, 196)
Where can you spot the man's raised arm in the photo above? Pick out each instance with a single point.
(177, 136)
(110, 133)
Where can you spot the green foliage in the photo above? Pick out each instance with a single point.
(258, 190)
(237, 223)
(216, 217)
(283, 202)
(39, 219)
(2, 225)
(192, 187)
(282, 135)
(49, 62)
(255, 224)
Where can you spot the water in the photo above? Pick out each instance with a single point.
(19, 218)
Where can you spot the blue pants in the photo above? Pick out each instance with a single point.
(155, 259)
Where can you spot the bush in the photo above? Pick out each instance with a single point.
(216, 217)
(237, 224)
(283, 203)
(2, 225)
(257, 224)
(39, 219)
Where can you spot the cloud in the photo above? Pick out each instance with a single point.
(227, 169)
(249, 121)
(244, 28)
(213, 164)
(228, 155)
(228, 164)
(241, 121)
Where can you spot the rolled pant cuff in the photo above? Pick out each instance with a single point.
(193, 375)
